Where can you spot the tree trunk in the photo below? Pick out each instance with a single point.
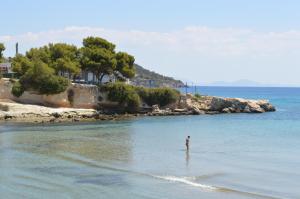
(94, 77)
(101, 77)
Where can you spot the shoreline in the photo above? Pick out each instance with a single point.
(26, 113)
(14, 112)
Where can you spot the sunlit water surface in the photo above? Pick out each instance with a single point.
(231, 156)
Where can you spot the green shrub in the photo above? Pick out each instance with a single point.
(160, 96)
(124, 94)
(52, 85)
(130, 96)
(17, 89)
(198, 96)
(42, 79)
(12, 80)
(133, 102)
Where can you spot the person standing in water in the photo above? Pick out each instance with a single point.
(187, 143)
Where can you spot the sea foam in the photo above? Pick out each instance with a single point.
(187, 181)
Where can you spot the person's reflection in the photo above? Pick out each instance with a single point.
(187, 158)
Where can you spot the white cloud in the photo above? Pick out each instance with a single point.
(222, 41)
(243, 52)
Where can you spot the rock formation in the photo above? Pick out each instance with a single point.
(211, 104)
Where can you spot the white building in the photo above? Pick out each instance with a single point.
(91, 78)
(5, 68)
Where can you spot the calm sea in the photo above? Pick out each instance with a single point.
(232, 156)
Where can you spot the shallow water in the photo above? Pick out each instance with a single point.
(232, 156)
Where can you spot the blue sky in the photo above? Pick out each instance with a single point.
(201, 41)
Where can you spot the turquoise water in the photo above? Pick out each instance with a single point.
(232, 156)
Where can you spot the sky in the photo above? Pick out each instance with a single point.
(199, 41)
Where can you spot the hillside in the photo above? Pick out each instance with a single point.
(149, 78)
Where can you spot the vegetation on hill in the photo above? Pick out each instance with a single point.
(148, 78)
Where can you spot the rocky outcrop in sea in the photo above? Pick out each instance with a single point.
(189, 104)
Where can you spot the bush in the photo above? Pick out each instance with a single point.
(11, 80)
(160, 96)
(198, 96)
(52, 85)
(130, 96)
(133, 102)
(125, 95)
(42, 79)
(17, 89)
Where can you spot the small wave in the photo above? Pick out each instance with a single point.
(190, 181)
(186, 180)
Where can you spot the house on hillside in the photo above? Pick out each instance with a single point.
(88, 77)
(5, 68)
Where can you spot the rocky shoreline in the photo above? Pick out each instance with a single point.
(191, 105)
(26, 113)
(187, 105)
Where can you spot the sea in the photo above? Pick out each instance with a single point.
(231, 156)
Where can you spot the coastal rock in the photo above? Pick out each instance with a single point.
(56, 114)
(212, 104)
(264, 104)
(255, 107)
(179, 110)
(35, 113)
(247, 109)
(7, 116)
(218, 104)
(196, 111)
(155, 108)
(226, 110)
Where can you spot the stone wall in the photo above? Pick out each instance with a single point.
(5, 89)
(76, 95)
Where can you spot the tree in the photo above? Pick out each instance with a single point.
(125, 66)
(2, 48)
(60, 57)
(64, 58)
(98, 56)
(42, 53)
(20, 64)
(17, 89)
(41, 78)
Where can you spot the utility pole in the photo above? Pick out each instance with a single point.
(186, 87)
(17, 48)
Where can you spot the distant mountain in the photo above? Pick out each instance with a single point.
(149, 78)
(238, 83)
